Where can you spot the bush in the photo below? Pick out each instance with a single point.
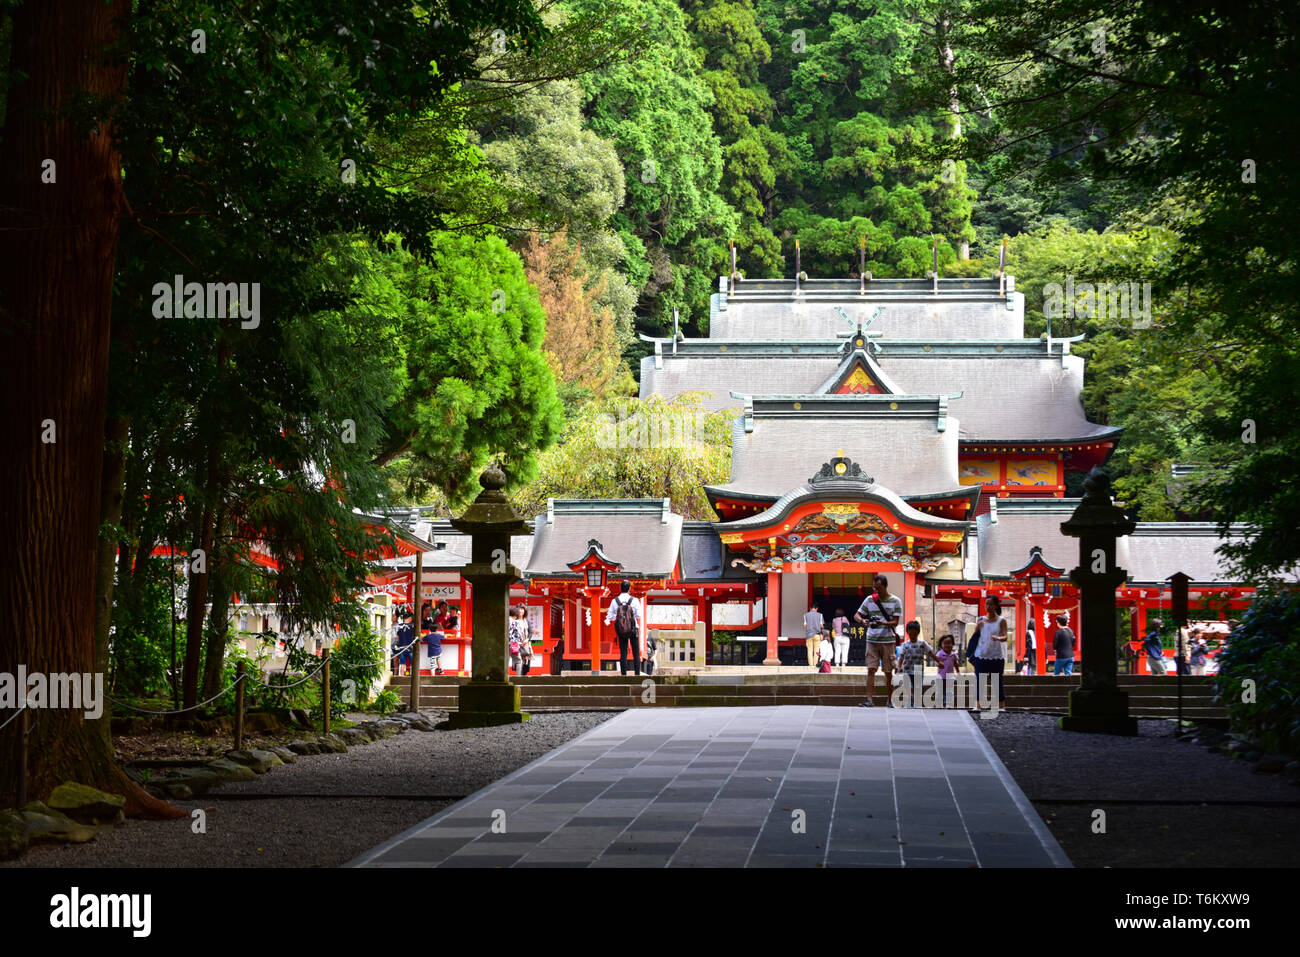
(1265, 650)
(358, 657)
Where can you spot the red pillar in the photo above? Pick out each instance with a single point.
(773, 616)
(1023, 611)
(909, 602)
(1043, 635)
(1143, 666)
(593, 596)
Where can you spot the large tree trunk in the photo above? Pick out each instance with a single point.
(218, 625)
(114, 476)
(57, 246)
(944, 30)
(196, 600)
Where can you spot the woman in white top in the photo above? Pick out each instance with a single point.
(840, 631)
(990, 653)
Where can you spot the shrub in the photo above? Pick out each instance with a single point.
(1264, 650)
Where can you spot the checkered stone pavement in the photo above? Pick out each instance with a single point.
(795, 786)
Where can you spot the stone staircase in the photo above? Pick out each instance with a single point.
(1151, 696)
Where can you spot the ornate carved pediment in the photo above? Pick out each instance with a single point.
(866, 523)
(841, 469)
(816, 522)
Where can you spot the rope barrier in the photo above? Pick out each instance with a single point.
(279, 687)
(131, 707)
(20, 710)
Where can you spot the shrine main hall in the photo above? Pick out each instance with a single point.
(904, 427)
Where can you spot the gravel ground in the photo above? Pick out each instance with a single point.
(1168, 803)
(324, 810)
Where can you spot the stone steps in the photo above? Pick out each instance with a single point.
(1151, 696)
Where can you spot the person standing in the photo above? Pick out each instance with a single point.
(825, 652)
(990, 651)
(1155, 650)
(521, 643)
(625, 615)
(651, 649)
(880, 612)
(1031, 646)
(813, 623)
(1063, 645)
(840, 633)
(1198, 651)
(947, 658)
(443, 620)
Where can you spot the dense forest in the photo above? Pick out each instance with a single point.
(461, 215)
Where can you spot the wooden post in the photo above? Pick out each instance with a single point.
(239, 705)
(773, 617)
(325, 692)
(415, 631)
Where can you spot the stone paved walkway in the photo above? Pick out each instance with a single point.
(746, 787)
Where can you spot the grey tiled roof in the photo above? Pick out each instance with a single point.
(1151, 554)
(632, 532)
(1004, 545)
(905, 453)
(1157, 550)
(1005, 397)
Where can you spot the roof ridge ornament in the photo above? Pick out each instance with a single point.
(841, 469)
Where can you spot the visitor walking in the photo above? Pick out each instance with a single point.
(625, 614)
(948, 660)
(911, 660)
(1200, 647)
(880, 612)
(521, 643)
(990, 651)
(812, 633)
(1063, 645)
(840, 631)
(1155, 651)
(651, 649)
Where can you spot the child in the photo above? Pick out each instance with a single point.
(912, 654)
(825, 652)
(946, 656)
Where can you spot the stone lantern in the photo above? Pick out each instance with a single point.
(1097, 705)
(490, 698)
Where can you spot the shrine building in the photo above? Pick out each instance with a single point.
(904, 427)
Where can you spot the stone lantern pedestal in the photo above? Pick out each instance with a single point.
(1097, 705)
(490, 698)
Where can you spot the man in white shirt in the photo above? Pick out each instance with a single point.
(812, 631)
(627, 627)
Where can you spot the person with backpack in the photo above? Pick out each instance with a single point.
(840, 630)
(880, 612)
(625, 615)
(521, 642)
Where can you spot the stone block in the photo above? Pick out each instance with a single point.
(86, 804)
(260, 761)
(231, 771)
